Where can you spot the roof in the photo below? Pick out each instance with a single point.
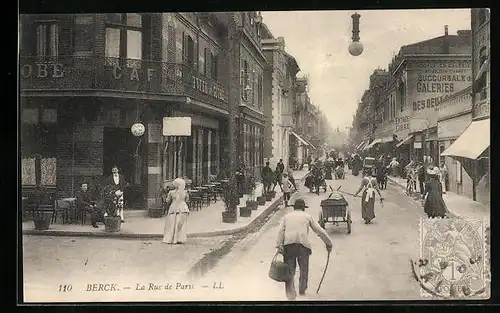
(293, 62)
(439, 45)
(266, 33)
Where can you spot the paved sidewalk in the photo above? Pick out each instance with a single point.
(204, 223)
(457, 204)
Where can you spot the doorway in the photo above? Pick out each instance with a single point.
(119, 148)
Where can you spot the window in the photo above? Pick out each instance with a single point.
(244, 79)
(47, 40)
(214, 68)
(204, 62)
(260, 91)
(84, 25)
(482, 83)
(123, 38)
(402, 97)
(112, 42)
(188, 49)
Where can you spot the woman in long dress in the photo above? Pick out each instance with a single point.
(369, 186)
(176, 224)
(434, 205)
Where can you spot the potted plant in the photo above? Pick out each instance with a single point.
(44, 210)
(229, 215)
(251, 185)
(270, 195)
(112, 201)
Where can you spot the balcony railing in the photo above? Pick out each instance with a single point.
(79, 73)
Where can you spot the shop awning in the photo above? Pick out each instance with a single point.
(386, 139)
(300, 139)
(359, 145)
(404, 141)
(373, 143)
(472, 142)
(309, 144)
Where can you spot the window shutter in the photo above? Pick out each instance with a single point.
(208, 62)
(184, 47)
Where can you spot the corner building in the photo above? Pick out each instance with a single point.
(86, 78)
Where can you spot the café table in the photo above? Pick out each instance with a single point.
(71, 208)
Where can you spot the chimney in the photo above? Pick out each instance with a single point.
(446, 30)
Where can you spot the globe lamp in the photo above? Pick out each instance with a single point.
(356, 47)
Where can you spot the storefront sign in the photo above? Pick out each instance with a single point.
(429, 83)
(402, 123)
(455, 104)
(198, 83)
(42, 70)
(176, 126)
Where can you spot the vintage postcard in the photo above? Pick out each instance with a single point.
(255, 156)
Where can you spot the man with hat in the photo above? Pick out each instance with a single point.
(293, 243)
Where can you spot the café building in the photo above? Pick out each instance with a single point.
(86, 79)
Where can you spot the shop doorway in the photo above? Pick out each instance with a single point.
(119, 148)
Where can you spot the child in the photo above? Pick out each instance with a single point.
(286, 186)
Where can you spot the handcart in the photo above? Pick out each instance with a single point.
(335, 209)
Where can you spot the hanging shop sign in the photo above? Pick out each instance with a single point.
(176, 126)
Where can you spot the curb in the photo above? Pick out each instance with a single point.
(270, 209)
(262, 215)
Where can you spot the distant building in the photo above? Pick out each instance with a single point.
(279, 95)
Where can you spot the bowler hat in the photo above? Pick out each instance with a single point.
(300, 204)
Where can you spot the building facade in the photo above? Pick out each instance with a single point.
(85, 79)
(280, 76)
(251, 118)
(405, 105)
(470, 151)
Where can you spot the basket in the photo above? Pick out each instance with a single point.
(279, 270)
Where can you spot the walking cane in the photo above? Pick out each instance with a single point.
(324, 272)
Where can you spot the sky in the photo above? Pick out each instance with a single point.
(319, 40)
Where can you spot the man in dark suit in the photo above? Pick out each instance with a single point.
(280, 168)
(118, 184)
(84, 202)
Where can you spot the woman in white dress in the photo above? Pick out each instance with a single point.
(176, 224)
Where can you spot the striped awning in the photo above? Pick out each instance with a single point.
(300, 138)
(404, 141)
(472, 142)
(373, 143)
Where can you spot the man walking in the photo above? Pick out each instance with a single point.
(293, 243)
(267, 177)
(280, 168)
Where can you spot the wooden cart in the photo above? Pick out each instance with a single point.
(335, 209)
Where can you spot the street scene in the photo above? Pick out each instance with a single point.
(255, 156)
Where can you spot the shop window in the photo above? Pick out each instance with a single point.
(47, 35)
(84, 26)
